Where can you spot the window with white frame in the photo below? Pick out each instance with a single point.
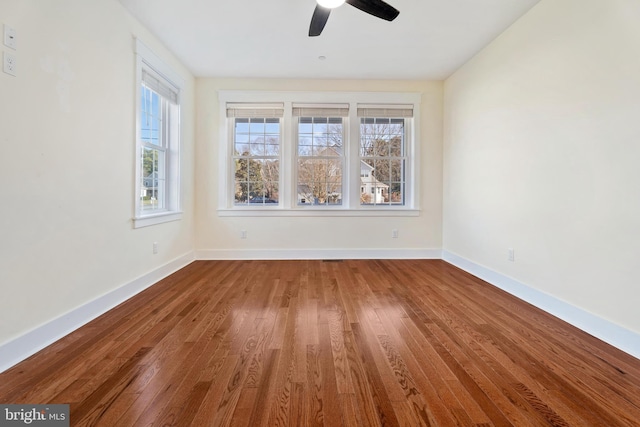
(256, 153)
(157, 141)
(383, 155)
(337, 153)
(320, 154)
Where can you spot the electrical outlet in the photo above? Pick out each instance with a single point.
(10, 37)
(243, 234)
(155, 247)
(511, 255)
(9, 63)
(394, 233)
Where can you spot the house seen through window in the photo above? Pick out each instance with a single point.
(382, 159)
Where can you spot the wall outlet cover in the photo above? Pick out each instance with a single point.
(9, 63)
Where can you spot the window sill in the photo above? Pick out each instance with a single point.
(156, 218)
(318, 212)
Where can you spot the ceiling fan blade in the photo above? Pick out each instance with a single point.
(318, 20)
(376, 8)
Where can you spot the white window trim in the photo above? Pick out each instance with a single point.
(288, 205)
(147, 59)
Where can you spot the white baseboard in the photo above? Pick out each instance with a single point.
(279, 254)
(20, 348)
(619, 337)
(31, 342)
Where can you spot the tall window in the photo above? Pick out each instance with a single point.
(320, 150)
(256, 154)
(154, 139)
(157, 187)
(383, 157)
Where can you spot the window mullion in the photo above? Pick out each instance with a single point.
(352, 184)
(288, 158)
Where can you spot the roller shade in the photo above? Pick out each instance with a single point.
(320, 110)
(159, 86)
(250, 111)
(391, 111)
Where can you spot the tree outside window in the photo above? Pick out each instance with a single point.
(256, 159)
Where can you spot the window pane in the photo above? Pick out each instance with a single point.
(150, 125)
(320, 126)
(256, 148)
(366, 145)
(397, 193)
(396, 170)
(320, 147)
(305, 150)
(242, 138)
(396, 146)
(334, 196)
(272, 126)
(272, 149)
(305, 170)
(242, 126)
(270, 176)
(256, 126)
(334, 170)
(242, 181)
(381, 147)
(152, 195)
(265, 193)
(256, 190)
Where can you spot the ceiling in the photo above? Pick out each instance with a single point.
(430, 39)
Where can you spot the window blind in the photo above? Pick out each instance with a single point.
(391, 111)
(154, 83)
(249, 111)
(320, 110)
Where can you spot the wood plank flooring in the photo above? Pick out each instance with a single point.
(312, 343)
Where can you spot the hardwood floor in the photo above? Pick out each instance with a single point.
(348, 343)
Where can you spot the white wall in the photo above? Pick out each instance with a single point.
(67, 140)
(542, 154)
(286, 237)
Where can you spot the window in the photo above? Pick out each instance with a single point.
(155, 112)
(318, 153)
(157, 141)
(383, 155)
(256, 153)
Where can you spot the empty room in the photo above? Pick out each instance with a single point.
(338, 213)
